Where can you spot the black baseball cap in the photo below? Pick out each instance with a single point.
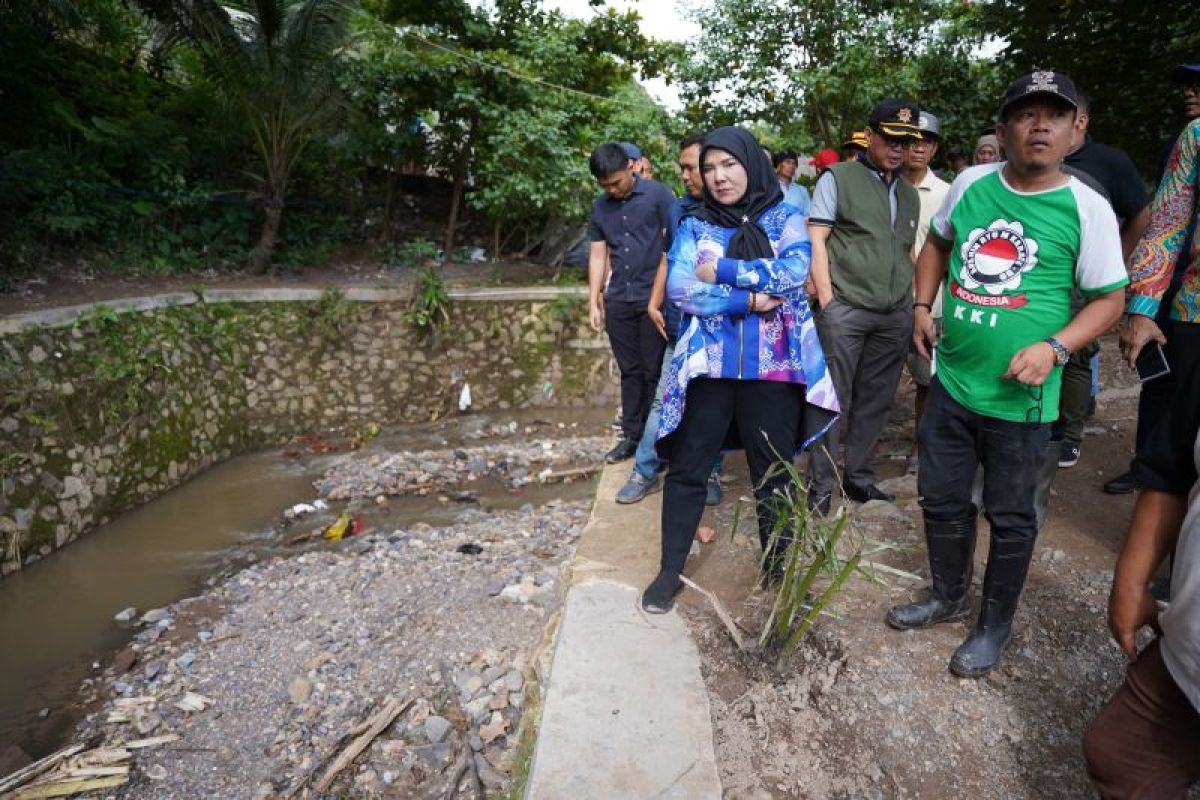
(897, 118)
(1040, 83)
(1186, 73)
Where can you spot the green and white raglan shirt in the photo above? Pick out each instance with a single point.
(1014, 259)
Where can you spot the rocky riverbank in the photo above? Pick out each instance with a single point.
(266, 677)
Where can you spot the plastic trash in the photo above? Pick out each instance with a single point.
(464, 397)
(338, 529)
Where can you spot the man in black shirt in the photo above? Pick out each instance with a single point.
(629, 232)
(1121, 184)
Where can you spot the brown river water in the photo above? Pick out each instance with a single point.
(56, 616)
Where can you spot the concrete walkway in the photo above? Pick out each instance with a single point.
(626, 712)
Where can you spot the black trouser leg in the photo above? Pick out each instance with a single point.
(768, 415)
(638, 350)
(695, 444)
(768, 418)
(1012, 454)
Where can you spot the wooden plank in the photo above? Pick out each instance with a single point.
(26, 774)
(153, 741)
(69, 787)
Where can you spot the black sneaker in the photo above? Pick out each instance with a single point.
(1068, 455)
(624, 449)
(1124, 483)
(865, 494)
(659, 596)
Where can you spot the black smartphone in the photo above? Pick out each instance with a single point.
(1151, 363)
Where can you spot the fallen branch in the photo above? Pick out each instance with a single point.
(392, 708)
(730, 625)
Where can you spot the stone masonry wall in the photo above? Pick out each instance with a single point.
(103, 413)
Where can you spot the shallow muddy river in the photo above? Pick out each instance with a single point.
(56, 616)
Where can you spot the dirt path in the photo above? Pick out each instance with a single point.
(864, 711)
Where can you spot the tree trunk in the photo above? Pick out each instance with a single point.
(460, 182)
(260, 256)
(389, 199)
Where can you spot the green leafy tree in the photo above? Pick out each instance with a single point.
(812, 71)
(1120, 52)
(275, 62)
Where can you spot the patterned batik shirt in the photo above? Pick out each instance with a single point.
(1161, 251)
(719, 336)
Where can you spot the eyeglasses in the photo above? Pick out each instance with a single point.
(1033, 414)
(899, 144)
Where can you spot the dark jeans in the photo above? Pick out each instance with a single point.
(638, 348)
(767, 414)
(865, 352)
(1145, 743)
(955, 441)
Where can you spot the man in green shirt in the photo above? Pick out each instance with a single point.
(1010, 243)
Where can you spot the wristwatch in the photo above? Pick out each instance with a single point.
(1061, 354)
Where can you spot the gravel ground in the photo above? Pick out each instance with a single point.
(516, 463)
(294, 652)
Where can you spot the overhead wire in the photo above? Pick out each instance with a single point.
(509, 71)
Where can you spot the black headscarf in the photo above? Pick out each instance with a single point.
(762, 192)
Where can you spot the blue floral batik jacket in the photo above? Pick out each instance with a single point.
(720, 338)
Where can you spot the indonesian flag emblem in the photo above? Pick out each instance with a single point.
(995, 258)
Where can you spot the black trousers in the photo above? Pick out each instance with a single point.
(1183, 352)
(638, 348)
(767, 414)
(955, 442)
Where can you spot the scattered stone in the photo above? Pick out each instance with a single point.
(436, 728)
(156, 772)
(126, 615)
(489, 775)
(124, 660)
(299, 690)
(514, 681)
(155, 616)
(494, 729)
(186, 660)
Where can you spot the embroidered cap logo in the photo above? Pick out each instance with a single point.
(904, 115)
(1042, 82)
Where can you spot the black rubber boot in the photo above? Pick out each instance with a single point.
(1008, 564)
(951, 553)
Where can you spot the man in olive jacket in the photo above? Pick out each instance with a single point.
(863, 221)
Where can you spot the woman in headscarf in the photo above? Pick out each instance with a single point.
(987, 150)
(748, 357)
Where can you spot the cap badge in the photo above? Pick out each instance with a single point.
(1042, 82)
(904, 115)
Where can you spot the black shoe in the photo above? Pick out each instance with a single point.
(659, 596)
(864, 494)
(624, 449)
(712, 490)
(951, 552)
(1123, 484)
(1068, 455)
(1008, 564)
(820, 503)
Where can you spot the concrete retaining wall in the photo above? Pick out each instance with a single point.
(104, 406)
